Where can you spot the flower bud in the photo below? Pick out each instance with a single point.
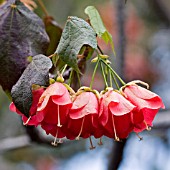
(94, 60)
(51, 81)
(108, 62)
(60, 79)
(104, 56)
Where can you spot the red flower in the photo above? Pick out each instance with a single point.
(147, 102)
(115, 115)
(32, 120)
(83, 116)
(53, 108)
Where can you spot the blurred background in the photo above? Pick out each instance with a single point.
(141, 34)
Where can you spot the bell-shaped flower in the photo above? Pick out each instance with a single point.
(115, 115)
(147, 105)
(53, 108)
(83, 116)
(32, 120)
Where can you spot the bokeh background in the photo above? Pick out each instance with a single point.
(141, 34)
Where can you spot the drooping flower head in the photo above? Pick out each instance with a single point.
(53, 108)
(32, 120)
(147, 105)
(115, 115)
(83, 116)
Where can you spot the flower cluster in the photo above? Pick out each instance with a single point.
(112, 113)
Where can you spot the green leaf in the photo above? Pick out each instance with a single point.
(107, 37)
(76, 33)
(22, 34)
(37, 72)
(54, 32)
(55, 59)
(98, 26)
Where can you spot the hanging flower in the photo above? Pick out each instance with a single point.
(83, 116)
(147, 105)
(32, 120)
(53, 108)
(115, 115)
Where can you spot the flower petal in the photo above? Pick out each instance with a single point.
(81, 100)
(143, 98)
(62, 100)
(122, 107)
(88, 106)
(52, 129)
(56, 89)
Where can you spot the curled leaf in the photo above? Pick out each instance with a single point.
(37, 72)
(76, 33)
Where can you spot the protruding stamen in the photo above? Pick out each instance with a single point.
(147, 127)
(100, 142)
(55, 143)
(60, 141)
(59, 124)
(140, 138)
(27, 121)
(116, 137)
(91, 144)
(81, 129)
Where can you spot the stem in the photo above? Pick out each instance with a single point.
(106, 70)
(110, 78)
(100, 49)
(114, 79)
(123, 83)
(78, 77)
(43, 7)
(63, 70)
(70, 78)
(94, 72)
(104, 76)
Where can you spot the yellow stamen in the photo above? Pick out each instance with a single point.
(100, 142)
(91, 144)
(140, 138)
(27, 121)
(116, 137)
(55, 143)
(78, 137)
(59, 124)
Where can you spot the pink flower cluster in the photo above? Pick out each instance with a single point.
(113, 113)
